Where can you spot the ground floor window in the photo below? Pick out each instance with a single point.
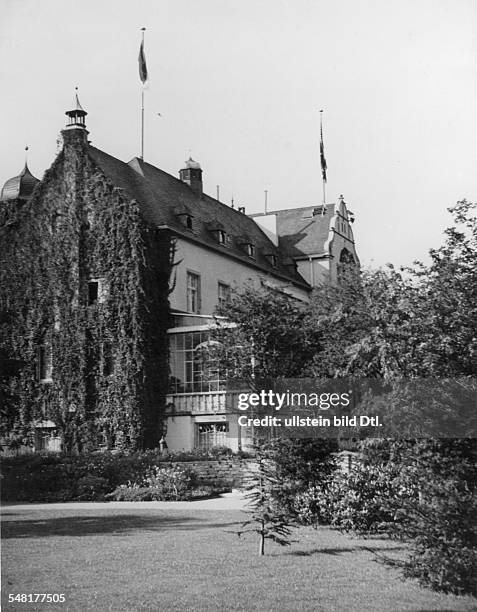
(47, 439)
(211, 434)
(194, 368)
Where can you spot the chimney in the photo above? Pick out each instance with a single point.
(192, 175)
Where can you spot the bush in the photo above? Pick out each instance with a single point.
(51, 477)
(424, 492)
(359, 501)
(437, 509)
(158, 484)
(91, 488)
(299, 465)
(315, 506)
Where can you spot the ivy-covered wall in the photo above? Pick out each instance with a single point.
(109, 358)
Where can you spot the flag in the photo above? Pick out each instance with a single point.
(322, 155)
(142, 64)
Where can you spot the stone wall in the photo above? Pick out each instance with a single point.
(233, 472)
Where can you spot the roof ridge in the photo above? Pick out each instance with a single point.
(178, 180)
(271, 212)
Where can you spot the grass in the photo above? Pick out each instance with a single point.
(185, 560)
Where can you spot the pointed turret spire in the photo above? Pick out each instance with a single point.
(76, 115)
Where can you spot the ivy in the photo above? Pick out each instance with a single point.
(79, 226)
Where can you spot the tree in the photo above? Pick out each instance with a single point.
(268, 517)
(418, 321)
(269, 338)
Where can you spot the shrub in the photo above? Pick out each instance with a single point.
(91, 488)
(316, 505)
(51, 477)
(158, 484)
(437, 509)
(424, 492)
(359, 501)
(299, 465)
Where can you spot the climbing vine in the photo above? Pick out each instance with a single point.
(109, 354)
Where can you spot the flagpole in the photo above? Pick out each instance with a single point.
(142, 106)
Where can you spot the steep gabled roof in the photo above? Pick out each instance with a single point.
(162, 199)
(301, 232)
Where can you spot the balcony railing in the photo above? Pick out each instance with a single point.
(201, 403)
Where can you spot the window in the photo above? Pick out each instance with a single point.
(211, 434)
(188, 221)
(97, 291)
(221, 237)
(193, 292)
(273, 260)
(44, 363)
(250, 250)
(194, 364)
(93, 291)
(107, 359)
(223, 294)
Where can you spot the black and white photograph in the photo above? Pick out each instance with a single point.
(238, 305)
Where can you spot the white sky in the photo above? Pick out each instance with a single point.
(240, 84)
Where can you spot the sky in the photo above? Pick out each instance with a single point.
(239, 85)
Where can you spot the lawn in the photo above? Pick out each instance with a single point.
(185, 560)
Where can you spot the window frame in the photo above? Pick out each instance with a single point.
(44, 364)
(102, 291)
(223, 300)
(191, 274)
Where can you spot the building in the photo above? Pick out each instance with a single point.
(106, 264)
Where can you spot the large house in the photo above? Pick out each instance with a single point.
(107, 267)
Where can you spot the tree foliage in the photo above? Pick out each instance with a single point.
(418, 321)
(270, 339)
(264, 493)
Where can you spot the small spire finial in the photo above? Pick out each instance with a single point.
(77, 113)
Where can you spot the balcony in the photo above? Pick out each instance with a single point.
(213, 402)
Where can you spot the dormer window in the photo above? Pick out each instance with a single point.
(272, 259)
(217, 230)
(185, 216)
(247, 246)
